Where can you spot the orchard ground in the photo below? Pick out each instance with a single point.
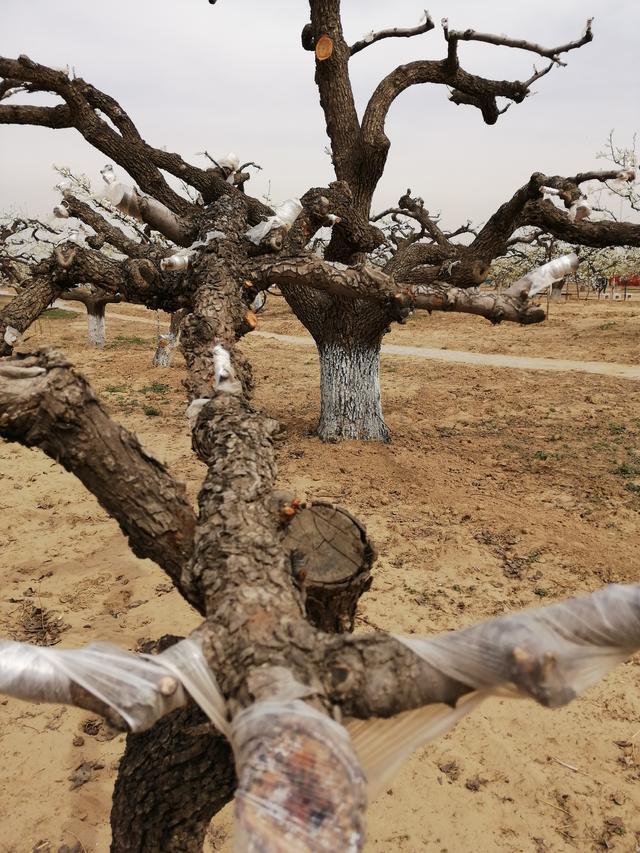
(501, 489)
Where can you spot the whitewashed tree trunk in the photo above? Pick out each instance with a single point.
(350, 405)
(348, 334)
(96, 323)
(167, 343)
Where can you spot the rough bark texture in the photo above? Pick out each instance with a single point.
(350, 404)
(20, 313)
(172, 780)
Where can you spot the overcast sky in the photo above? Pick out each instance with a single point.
(234, 77)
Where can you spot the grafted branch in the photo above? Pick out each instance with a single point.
(371, 284)
(106, 231)
(550, 654)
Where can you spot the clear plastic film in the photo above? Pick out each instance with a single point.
(12, 336)
(579, 210)
(126, 199)
(300, 785)
(140, 688)
(221, 364)
(176, 263)
(230, 162)
(384, 744)
(28, 672)
(187, 663)
(551, 653)
(127, 683)
(285, 215)
(543, 277)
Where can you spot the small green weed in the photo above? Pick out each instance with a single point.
(156, 388)
(627, 471)
(151, 411)
(58, 314)
(127, 340)
(540, 454)
(116, 389)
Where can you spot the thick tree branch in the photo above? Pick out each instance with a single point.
(45, 403)
(127, 690)
(550, 654)
(54, 117)
(30, 302)
(546, 216)
(334, 85)
(107, 232)
(511, 304)
(83, 107)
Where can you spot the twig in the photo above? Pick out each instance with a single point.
(568, 766)
(554, 806)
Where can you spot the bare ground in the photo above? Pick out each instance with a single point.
(501, 489)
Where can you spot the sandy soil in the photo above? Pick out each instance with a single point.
(501, 489)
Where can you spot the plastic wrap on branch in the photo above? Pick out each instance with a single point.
(384, 744)
(285, 215)
(194, 408)
(541, 278)
(579, 210)
(138, 688)
(144, 208)
(176, 263)
(551, 654)
(12, 336)
(300, 785)
(229, 165)
(225, 378)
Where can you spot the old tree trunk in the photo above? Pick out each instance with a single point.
(348, 334)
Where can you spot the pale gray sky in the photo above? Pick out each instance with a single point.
(234, 77)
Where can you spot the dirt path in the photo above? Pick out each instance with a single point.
(604, 368)
(620, 371)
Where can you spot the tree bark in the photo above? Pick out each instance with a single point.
(350, 403)
(96, 323)
(348, 333)
(173, 779)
